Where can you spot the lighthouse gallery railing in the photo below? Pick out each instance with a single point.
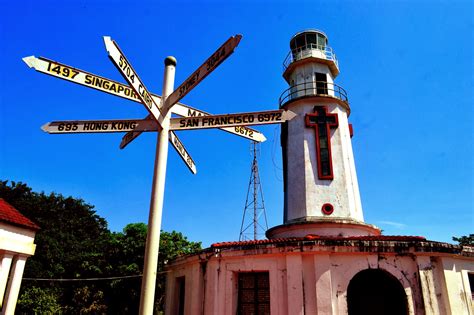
(310, 50)
(313, 88)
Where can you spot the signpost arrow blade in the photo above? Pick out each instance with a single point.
(243, 131)
(130, 75)
(129, 137)
(183, 153)
(229, 120)
(81, 77)
(100, 126)
(90, 80)
(204, 70)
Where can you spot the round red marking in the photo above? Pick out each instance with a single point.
(327, 209)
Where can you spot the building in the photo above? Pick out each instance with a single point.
(17, 235)
(323, 259)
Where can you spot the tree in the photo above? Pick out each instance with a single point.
(36, 300)
(465, 240)
(70, 244)
(127, 255)
(74, 242)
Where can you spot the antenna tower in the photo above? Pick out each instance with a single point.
(254, 205)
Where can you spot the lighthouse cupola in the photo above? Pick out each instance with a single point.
(321, 192)
(306, 47)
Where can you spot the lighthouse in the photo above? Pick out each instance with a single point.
(323, 258)
(321, 193)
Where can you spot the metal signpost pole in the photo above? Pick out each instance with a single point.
(147, 297)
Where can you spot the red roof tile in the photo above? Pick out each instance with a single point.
(311, 237)
(11, 215)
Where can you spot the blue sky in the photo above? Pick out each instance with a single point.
(407, 67)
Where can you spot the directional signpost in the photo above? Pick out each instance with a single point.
(201, 122)
(65, 72)
(159, 119)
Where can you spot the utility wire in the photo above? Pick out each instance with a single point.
(87, 279)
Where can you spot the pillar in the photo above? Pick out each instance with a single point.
(294, 273)
(4, 272)
(322, 271)
(13, 287)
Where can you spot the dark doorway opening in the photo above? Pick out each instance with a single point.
(181, 292)
(375, 292)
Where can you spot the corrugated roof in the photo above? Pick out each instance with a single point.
(11, 215)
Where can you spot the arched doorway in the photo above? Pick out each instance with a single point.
(375, 292)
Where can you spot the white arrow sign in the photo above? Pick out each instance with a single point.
(241, 130)
(178, 145)
(218, 121)
(130, 75)
(204, 70)
(100, 126)
(65, 72)
(81, 77)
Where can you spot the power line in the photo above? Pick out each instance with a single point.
(87, 279)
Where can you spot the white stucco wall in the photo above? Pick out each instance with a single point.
(306, 193)
(314, 279)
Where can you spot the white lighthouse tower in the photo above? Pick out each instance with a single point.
(323, 259)
(321, 193)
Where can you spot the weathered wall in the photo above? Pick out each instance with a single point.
(311, 280)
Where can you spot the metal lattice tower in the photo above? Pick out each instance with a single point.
(254, 203)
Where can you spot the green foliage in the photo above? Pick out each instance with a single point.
(465, 240)
(71, 237)
(74, 242)
(36, 300)
(89, 301)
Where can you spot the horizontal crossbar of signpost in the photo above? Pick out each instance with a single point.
(149, 124)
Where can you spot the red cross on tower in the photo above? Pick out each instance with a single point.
(322, 121)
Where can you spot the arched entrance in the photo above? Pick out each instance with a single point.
(375, 292)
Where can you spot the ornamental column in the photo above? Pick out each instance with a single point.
(5, 264)
(13, 287)
(321, 193)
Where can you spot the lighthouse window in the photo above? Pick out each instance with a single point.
(253, 293)
(321, 41)
(321, 83)
(311, 40)
(300, 41)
